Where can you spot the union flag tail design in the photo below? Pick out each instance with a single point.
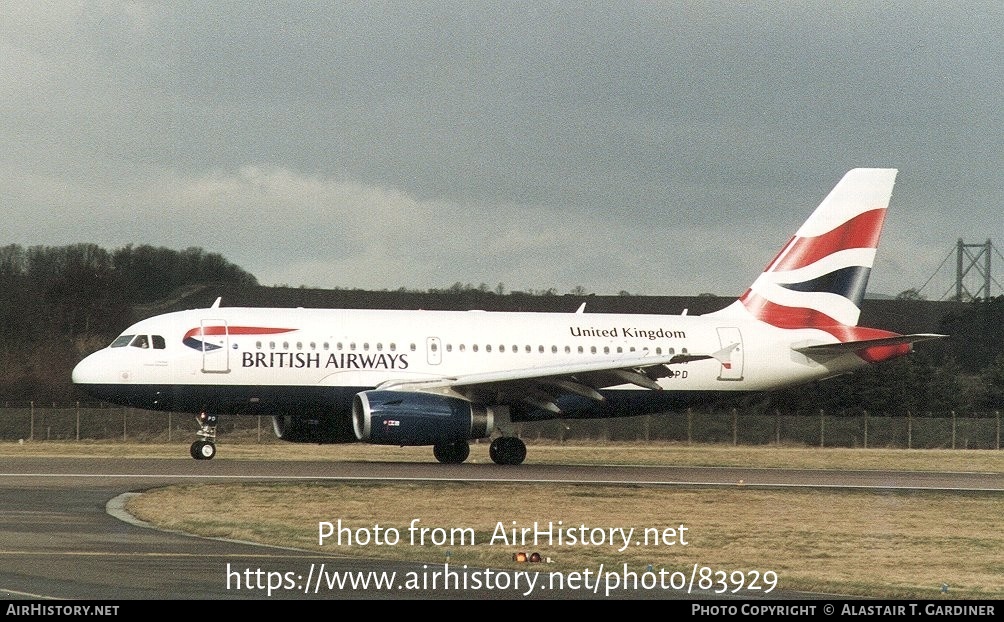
(818, 279)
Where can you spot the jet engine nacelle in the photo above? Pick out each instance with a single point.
(400, 418)
(323, 428)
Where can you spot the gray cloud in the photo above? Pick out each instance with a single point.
(660, 148)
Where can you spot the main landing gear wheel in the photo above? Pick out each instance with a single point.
(507, 450)
(452, 453)
(203, 450)
(205, 447)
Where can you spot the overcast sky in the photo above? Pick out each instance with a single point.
(663, 148)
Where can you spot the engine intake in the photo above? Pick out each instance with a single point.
(399, 418)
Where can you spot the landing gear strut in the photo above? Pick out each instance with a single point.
(507, 450)
(205, 447)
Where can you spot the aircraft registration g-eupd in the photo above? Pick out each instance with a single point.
(443, 378)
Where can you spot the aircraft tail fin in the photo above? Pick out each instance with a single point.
(818, 279)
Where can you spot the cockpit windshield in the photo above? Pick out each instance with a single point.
(121, 341)
(140, 341)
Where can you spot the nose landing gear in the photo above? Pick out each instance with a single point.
(205, 447)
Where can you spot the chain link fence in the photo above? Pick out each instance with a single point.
(35, 421)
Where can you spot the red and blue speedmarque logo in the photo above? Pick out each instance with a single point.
(214, 331)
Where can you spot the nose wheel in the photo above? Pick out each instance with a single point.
(203, 450)
(205, 447)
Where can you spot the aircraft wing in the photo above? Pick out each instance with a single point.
(541, 386)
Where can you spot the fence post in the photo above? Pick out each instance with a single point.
(125, 411)
(31, 429)
(777, 426)
(259, 429)
(909, 429)
(734, 443)
(78, 420)
(953, 429)
(998, 429)
(822, 428)
(866, 429)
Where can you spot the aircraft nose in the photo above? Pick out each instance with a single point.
(92, 370)
(82, 371)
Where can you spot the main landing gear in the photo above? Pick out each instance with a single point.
(453, 452)
(205, 447)
(507, 450)
(503, 450)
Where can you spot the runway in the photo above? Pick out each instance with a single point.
(60, 537)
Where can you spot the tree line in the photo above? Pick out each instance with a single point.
(60, 303)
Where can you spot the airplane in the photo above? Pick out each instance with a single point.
(444, 378)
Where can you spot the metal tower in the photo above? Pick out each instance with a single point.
(967, 260)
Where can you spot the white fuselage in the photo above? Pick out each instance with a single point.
(364, 349)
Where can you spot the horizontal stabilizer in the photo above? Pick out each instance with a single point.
(856, 346)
